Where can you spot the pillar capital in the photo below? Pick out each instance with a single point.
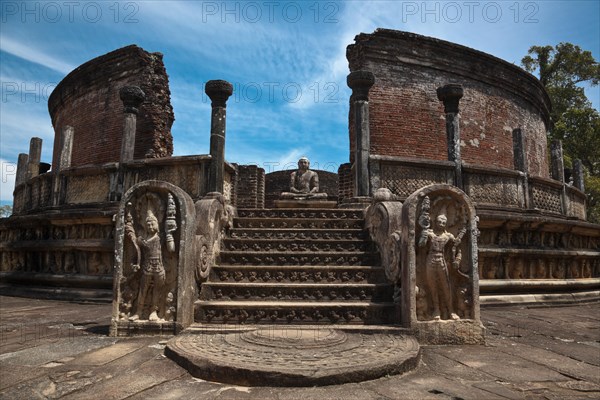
(360, 82)
(219, 91)
(450, 94)
(132, 97)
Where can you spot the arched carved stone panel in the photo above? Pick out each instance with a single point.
(153, 281)
(440, 277)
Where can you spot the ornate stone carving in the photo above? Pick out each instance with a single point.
(403, 180)
(215, 216)
(382, 220)
(304, 183)
(547, 198)
(443, 255)
(440, 265)
(152, 248)
(151, 242)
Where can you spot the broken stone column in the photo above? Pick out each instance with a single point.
(22, 169)
(35, 155)
(218, 91)
(132, 97)
(450, 95)
(64, 161)
(578, 176)
(520, 164)
(360, 82)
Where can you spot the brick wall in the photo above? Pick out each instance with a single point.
(345, 182)
(407, 119)
(88, 100)
(250, 188)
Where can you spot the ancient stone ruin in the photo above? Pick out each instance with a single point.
(447, 203)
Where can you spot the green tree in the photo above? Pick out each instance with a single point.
(5, 211)
(564, 70)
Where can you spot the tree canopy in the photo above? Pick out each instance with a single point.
(564, 70)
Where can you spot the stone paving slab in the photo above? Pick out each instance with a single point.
(555, 354)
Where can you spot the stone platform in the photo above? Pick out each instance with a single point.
(294, 355)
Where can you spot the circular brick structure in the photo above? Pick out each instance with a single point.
(87, 99)
(294, 356)
(407, 119)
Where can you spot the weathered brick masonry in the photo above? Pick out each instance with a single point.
(88, 100)
(407, 119)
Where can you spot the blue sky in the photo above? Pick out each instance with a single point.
(286, 60)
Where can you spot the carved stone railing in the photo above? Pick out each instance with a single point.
(576, 206)
(490, 188)
(495, 187)
(403, 176)
(95, 183)
(546, 195)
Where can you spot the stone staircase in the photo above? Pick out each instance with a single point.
(297, 266)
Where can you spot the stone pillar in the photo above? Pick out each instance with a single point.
(519, 152)
(557, 162)
(520, 163)
(218, 91)
(22, 169)
(578, 177)
(450, 95)
(35, 155)
(557, 170)
(360, 82)
(64, 161)
(66, 147)
(132, 97)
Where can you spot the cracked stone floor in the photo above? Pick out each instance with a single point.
(55, 349)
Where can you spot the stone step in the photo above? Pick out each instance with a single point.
(307, 258)
(301, 213)
(292, 234)
(243, 291)
(298, 223)
(278, 312)
(297, 245)
(297, 274)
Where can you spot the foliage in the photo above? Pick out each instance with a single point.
(592, 189)
(562, 70)
(5, 211)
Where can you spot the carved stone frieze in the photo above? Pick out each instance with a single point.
(290, 274)
(297, 315)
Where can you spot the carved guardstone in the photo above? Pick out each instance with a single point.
(153, 286)
(440, 279)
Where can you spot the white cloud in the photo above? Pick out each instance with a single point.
(29, 52)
